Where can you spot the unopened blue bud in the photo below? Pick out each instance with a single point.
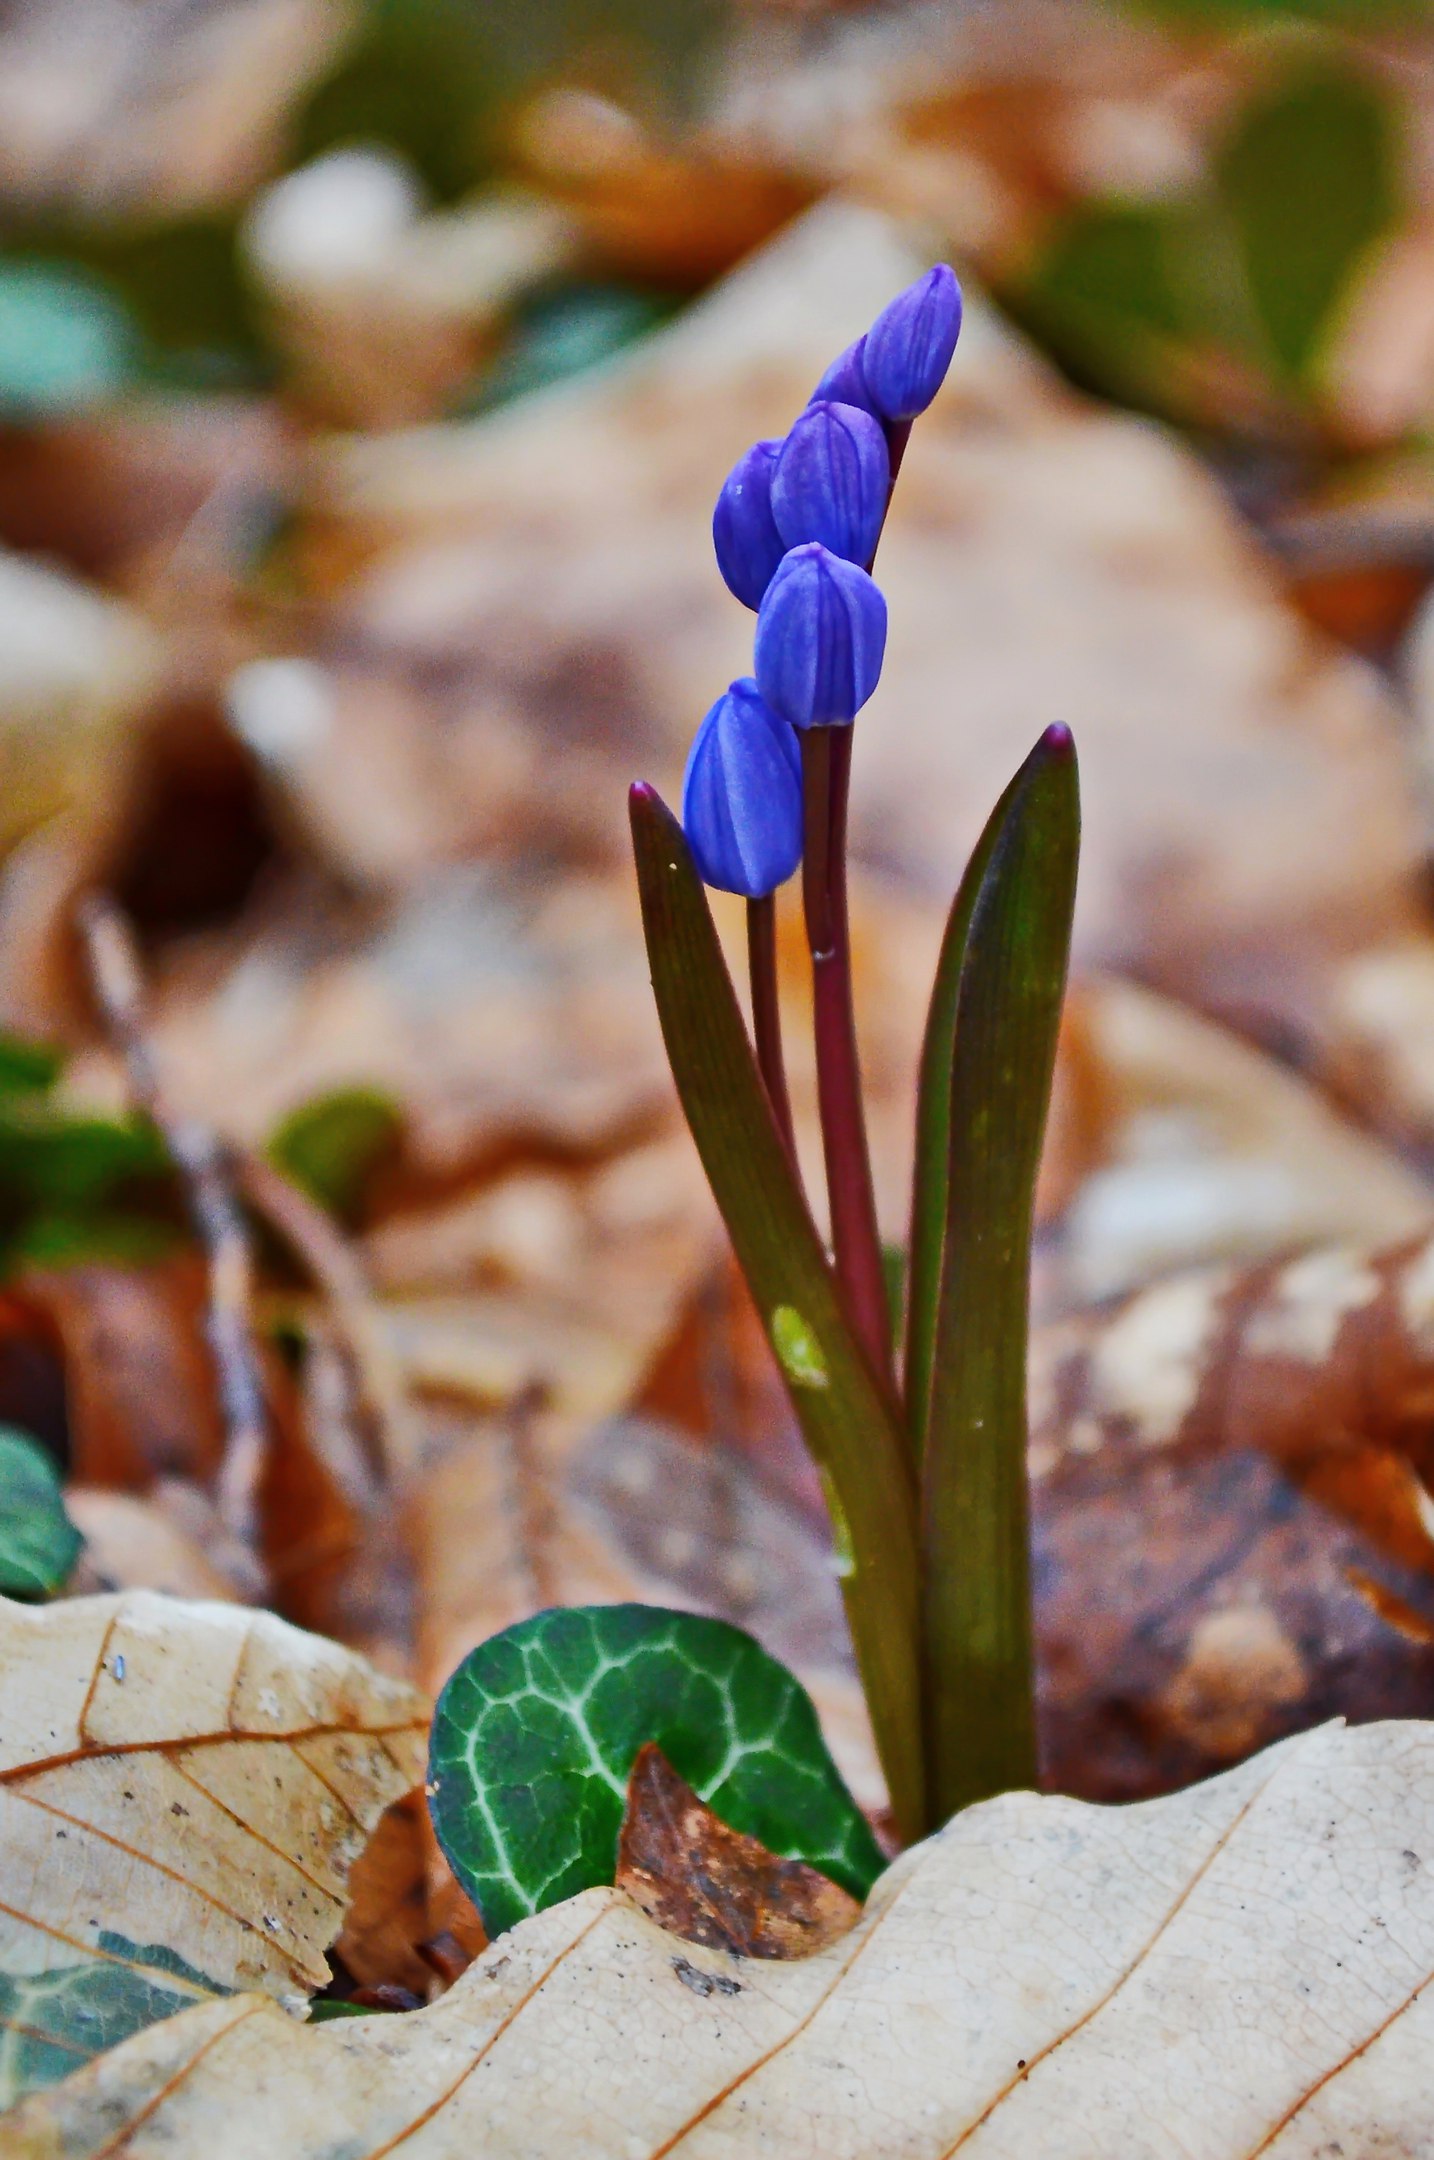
(831, 481)
(821, 633)
(844, 382)
(742, 796)
(749, 546)
(908, 348)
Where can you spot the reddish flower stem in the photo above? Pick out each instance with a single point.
(766, 1011)
(856, 1241)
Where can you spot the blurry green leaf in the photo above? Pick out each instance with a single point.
(178, 285)
(1107, 300)
(850, 1427)
(39, 1545)
(53, 1238)
(536, 1733)
(1356, 14)
(558, 334)
(333, 1145)
(979, 1661)
(324, 2008)
(65, 341)
(68, 1162)
(435, 79)
(1306, 178)
(27, 1067)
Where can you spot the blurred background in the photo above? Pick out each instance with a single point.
(368, 369)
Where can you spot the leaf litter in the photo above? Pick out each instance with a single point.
(412, 668)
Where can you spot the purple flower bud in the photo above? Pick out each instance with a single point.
(909, 346)
(749, 546)
(821, 633)
(742, 796)
(831, 481)
(844, 383)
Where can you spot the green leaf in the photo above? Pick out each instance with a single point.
(850, 1426)
(49, 1159)
(54, 2022)
(536, 1732)
(26, 1067)
(65, 340)
(976, 1562)
(333, 1145)
(1307, 182)
(39, 1545)
(931, 1174)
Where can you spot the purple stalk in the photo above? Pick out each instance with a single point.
(766, 1011)
(851, 1196)
(856, 1241)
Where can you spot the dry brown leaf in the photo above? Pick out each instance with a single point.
(134, 1544)
(182, 1790)
(1206, 1149)
(1269, 1431)
(696, 1877)
(142, 1405)
(1240, 1969)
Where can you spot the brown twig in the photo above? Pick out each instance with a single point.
(213, 1208)
(336, 1267)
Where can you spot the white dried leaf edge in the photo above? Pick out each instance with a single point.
(1241, 1969)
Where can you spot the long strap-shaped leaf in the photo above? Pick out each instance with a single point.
(977, 1635)
(849, 1425)
(931, 1175)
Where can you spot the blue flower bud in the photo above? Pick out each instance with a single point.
(742, 796)
(821, 633)
(749, 546)
(908, 348)
(844, 382)
(831, 481)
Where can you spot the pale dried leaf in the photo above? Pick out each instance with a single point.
(1239, 1970)
(182, 1790)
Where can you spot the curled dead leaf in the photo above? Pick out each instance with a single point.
(696, 1877)
(182, 1790)
(1239, 1969)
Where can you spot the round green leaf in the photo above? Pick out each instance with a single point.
(537, 1730)
(38, 1543)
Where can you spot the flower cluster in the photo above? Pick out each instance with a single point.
(795, 530)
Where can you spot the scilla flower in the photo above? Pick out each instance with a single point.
(742, 796)
(831, 481)
(749, 546)
(907, 350)
(821, 633)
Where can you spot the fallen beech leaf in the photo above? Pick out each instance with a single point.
(1269, 1429)
(138, 1544)
(1239, 1969)
(698, 1878)
(38, 1542)
(1210, 1150)
(182, 1790)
